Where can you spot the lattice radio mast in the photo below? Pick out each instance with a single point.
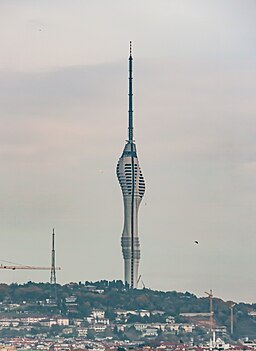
(53, 270)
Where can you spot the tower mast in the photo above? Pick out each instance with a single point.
(130, 112)
(53, 270)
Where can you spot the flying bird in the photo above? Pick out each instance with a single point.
(196, 242)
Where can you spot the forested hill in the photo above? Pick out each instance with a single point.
(110, 296)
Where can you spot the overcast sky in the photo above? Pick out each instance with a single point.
(63, 98)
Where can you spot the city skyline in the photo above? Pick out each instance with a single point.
(63, 90)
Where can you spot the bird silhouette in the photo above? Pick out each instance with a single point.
(196, 242)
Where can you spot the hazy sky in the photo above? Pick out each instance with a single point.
(63, 98)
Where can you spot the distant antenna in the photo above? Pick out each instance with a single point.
(130, 112)
(53, 270)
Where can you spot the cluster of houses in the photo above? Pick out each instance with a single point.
(96, 323)
(142, 322)
(74, 332)
(76, 344)
(26, 321)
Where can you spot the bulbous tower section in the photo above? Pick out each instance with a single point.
(133, 188)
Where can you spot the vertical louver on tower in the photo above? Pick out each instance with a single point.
(133, 188)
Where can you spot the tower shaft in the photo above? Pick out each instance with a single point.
(133, 187)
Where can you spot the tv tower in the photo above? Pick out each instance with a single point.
(53, 270)
(133, 188)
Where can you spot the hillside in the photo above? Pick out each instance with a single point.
(79, 299)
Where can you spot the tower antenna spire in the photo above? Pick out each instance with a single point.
(130, 112)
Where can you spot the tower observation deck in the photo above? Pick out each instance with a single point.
(132, 184)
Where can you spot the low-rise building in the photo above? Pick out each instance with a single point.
(32, 319)
(174, 327)
(187, 328)
(68, 331)
(98, 328)
(195, 314)
(100, 314)
(170, 320)
(62, 321)
(150, 332)
(141, 326)
(82, 332)
(102, 321)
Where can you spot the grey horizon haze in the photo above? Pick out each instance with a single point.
(64, 103)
